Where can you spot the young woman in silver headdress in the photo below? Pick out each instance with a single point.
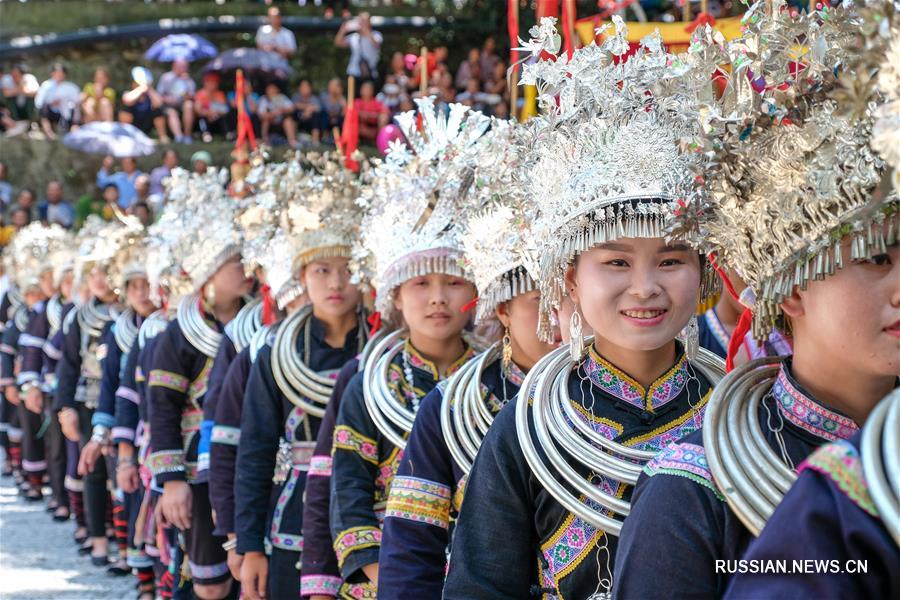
(177, 381)
(291, 378)
(826, 269)
(554, 473)
(453, 418)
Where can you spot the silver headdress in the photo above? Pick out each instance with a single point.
(205, 218)
(496, 240)
(118, 246)
(412, 227)
(612, 152)
(31, 250)
(794, 166)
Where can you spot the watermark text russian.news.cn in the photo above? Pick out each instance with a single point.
(791, 567)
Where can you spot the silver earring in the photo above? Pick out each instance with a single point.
(209, 294)
(576, 343)
(690, 336)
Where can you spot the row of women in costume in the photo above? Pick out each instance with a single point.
(476, 369)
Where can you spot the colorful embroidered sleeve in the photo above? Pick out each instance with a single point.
(413, 553)
(262, 424)
(354, 526)
(168, 382)
(127, 400)
(820, 520)
(226, 434)
(319, 573)
(674, 504)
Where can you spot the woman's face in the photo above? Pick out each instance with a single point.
(137, 294)
(852, 316)
(98, 283)
(65, 285)
(230, 282)
(46, 283)
(520, 317)
(327, 284)
(636, 293)
(432, 305)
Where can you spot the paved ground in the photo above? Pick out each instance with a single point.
(38, 559)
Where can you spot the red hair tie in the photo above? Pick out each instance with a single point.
(469, 305)
(374, 321)
(737, 338)
(268, 302)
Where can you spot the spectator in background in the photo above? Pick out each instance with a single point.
(489, 59)
(142, 211)
(398, 73)
(501, 111)
(309, 111)
(177, 90)
(276, 115)
(111, 201)
(272, 37)
(390, 95)
(26, 200)
(251, 106)
(212, 108)
(98, 99)
(123, 180)
(200, 161)
(373, 115)
(19, 89)
(142, 106)
(364, 44)
(6, 189)
(334, 104)
(54, 209)
(19, 217)
(496, 86)
(469, 69)
(472, 96)
(57, 100)
(141, 190)
(160, 173)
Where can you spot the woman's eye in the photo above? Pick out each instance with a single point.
(617, 262)
(670, 262)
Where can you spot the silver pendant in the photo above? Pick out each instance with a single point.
(283, 462)
(600, 596)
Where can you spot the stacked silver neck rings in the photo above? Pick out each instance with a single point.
(152, 326)
(93, 315)
(54, 313)
(126, 330)
(558, 426)
(193, 325)
(881, 461)
(300, 384)
(392, 417)
(247, 322)
(465, 417)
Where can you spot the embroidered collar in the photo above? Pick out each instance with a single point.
(416, 360)
(617, 383)
(799, 408)
(717, 329)
(515, 375)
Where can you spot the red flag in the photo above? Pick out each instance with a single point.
(350, 136)
(512, 28)
(568, 17)
(244, 124)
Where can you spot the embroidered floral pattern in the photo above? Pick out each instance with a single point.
(419, 500)
(460, 492)
(324, 585)
(166, 461)
(222, 434)
(128, 394)
(354, 539)
(358, 591)
(320, 466)
(198, 386)
(809, 415)
(605, 427)
(616, 383)
(840, 462)
(684, 460)
(347, 438)
(168, 379)
(673, 431)
(206, 572)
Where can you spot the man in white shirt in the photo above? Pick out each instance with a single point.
(57, 100)
(365, 47)
(272, 37)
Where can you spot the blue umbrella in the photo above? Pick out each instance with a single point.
(254, 63)
(181, 45)
(114, 138)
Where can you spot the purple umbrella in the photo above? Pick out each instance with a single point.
(254, 62)
(115, 138)
(181, 45)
